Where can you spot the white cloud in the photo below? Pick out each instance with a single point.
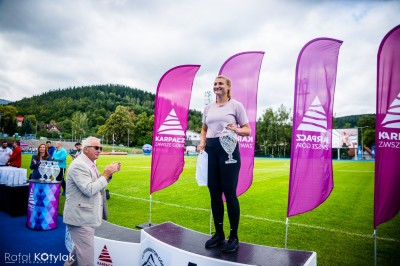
(48, 45)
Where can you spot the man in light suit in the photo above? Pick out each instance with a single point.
(85, 203)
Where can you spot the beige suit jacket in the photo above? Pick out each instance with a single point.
(85, 203)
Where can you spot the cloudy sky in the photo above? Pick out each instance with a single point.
(47, 44)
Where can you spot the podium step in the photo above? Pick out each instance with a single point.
(248, 254)
(171, 244)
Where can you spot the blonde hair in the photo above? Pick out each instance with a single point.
(228, 82)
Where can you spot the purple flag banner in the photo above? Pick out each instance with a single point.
(387, 135)
(170, 123)
(244, 70)
(311, 179)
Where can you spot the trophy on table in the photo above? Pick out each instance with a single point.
(228, 140)
(41, 169)
(55, 169)
(48, 171)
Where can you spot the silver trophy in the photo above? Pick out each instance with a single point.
(228, 140)
(47, 171)
(41, 169)
(55, 170)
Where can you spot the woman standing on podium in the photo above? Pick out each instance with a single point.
(223, 178)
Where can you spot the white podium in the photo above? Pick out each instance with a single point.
(169, 244)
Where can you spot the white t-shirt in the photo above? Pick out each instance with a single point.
(217, 117)
(4, 155)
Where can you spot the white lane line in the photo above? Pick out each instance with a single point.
(262, 219)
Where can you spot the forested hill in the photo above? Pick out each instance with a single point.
(352, 121)
(97, 101)
(2, 101)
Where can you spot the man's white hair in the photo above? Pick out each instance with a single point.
(87, 142)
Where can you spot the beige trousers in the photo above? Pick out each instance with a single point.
(83, 252)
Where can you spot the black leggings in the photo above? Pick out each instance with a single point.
(60, 177)
(223, 178)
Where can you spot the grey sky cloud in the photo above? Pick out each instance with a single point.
(46, 45)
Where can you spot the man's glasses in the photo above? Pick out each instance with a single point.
(96, 148)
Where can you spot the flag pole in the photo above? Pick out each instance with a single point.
(375, 249)
(287, 227)
(151, 200)
(149, 224)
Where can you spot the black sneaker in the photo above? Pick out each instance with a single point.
(215, 240)
(231, 245)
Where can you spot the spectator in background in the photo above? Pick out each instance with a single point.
(42, 154)
(50, 148)
(5, 153)
(77, 151)
(60, 156)
(16, 156)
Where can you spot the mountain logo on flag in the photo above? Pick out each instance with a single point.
(171, 125)
(392, 118)
(104, 258)
(315, 118)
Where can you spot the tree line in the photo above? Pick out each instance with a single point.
(123, 115)
(274, 131)
(116, 113)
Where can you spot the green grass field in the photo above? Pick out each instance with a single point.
(340, 231)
